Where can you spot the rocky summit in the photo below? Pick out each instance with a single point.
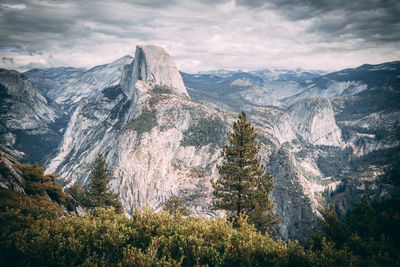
(325, 137)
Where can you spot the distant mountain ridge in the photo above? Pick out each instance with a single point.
(67, 86)
(284, 87)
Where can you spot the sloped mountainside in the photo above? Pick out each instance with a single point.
(313, 120)
(67, 86)
(237, 90)
(22, 184)
(324, 137)
(158, 142)
(28, 120)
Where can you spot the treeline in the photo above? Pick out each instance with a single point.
(33, 234)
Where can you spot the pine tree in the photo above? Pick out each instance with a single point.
(78, 192)
(174, 205)
(99, 193)
(261, 214)
(335, 230)
(363, 219)
(242, 188)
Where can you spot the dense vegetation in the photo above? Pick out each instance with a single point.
(144, 122)
(176, 205)
(34, 231)
(371, 236)
(41, 189)
(35, 235)
(205, 131)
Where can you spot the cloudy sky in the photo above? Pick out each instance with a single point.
(201, 34)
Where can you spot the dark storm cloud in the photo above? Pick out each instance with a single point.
(34, 26)
(376, 21)
(7, 60)
(37, 25)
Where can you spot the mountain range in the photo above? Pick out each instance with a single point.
(325, 137)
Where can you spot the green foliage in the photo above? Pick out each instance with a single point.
(334, 160)
(242, 189)
(144, 123)
(359, 237)
(205, 131)
(99, 193)
(43, 185)
(262, 215)
(78, 192)
(175, 205)
(147, 239)
(363, 219)
(35, 236)
(162, 89)
(334, 229)
(15, 201)
(17, 213)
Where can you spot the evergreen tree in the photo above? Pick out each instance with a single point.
(261, 214)
(174, 205)
(242, 188)
(99, 193)
(334, 229)
(78, 192)
(363, 219)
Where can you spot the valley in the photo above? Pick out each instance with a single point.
(325, 137)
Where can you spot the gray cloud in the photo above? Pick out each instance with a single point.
(7, 60)
(201, 34)
(376, 21)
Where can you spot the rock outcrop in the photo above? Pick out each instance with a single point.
(294, 201)
(157, 142)
(26, 118)
(67, 86)
(313, 120)
(153, 66)
(14, 179)
(11, 177)
(20, 89)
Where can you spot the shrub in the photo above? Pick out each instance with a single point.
(144, 123)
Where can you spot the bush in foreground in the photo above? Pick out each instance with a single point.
(151, 239)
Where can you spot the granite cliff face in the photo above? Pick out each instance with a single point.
(37, 105)
(156, 140)
(155, 67)
(313, 120)
(11, 177)
(20, 89)
(67, 86)
(27, 118)
(176, 156)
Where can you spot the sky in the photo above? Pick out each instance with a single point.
(201, 35)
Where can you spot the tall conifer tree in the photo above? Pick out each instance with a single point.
(242, 188)
(99, 193)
